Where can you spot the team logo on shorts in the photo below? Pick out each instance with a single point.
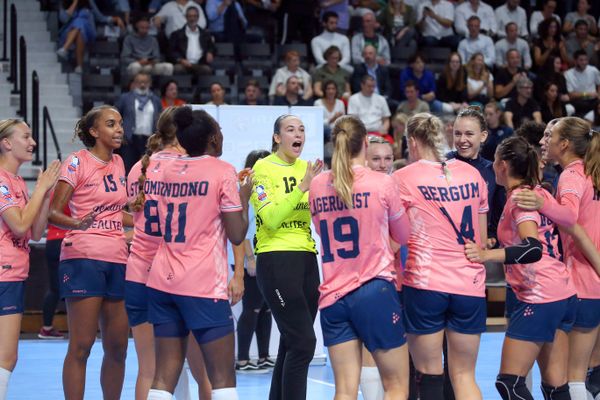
(395, 318)
(260, 191)
(5, 193)
(65, 278)
(74, 164)
(528, 312)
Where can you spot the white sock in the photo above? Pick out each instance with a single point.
(155, 394)
(225, 394)
(370, 384)
(578, 391)
(182, 390)
(4, 377)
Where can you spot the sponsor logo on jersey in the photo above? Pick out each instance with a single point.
(5, 192)
(74, 164)
(260, 191)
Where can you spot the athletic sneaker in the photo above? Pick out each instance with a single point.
(50, 334)
(250, 368)
(266, 363)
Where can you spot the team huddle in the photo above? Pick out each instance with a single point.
(376, 307)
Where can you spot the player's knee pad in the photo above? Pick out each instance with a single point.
(512, 387)
(430, 387)
(556, 392)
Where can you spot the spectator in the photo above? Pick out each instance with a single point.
(79, 19)
(582, 84)
(523, 107)
(548, 43)
(292, 96)
(552, 107)
(434, 19)
(398, 123)
(332, 71)
(329, 37)
(398, 23)
(140, 109)
(452, 83)
(297, 21)
(581, 14)
(226, 20)
(261, 17)
(370, 36)
(378, 72)
(497, 131)
(370, 107)
(448, 121)
(168, 94)
(480, 81)
(425, 80)
(174, 16)
(507, 77)
(253, 94)
(552, 72)
(140, 51)
(291, 68)
(340, 8)
(192, 48)
(512, 41)
(511, 12)
(333, 108)
(477, 42)
(582, 40)
(538, 16)
(217, 95)
(477, 8)
(594, 118)
(412, 105)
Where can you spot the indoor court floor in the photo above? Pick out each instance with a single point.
(38, 373)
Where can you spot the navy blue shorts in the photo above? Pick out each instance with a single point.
(372, 313)
(428, 311)
(12, 297)
(136, 303)
(510, 301)
(588, 313)
(175, 316)
(539, 322)
(82, 277)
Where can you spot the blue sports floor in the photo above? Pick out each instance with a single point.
(38, 373)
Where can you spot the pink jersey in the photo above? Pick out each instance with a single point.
(147, 233)
(442, 216)
(192, 194)
(355, 243)
(543, 281)
(576, 191)
(14, 252)
(98, 186)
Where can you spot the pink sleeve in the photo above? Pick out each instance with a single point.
(483, 200)
(519, 215)
(7, 193)
(565, 213)
(229, 197)
(398, 219)
(70, 170)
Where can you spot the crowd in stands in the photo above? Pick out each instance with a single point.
(523, 60)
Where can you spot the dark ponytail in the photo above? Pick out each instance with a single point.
(522, 159)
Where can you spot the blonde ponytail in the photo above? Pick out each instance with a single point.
(592, 159)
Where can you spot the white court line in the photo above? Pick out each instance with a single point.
(322, 382)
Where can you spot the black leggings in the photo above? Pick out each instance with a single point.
(255, 317)
(52, 296)
(289, 282)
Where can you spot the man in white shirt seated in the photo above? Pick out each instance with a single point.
(370, 107)
(329, 37)
(477, 42)
(173, 16)
(538, 16)
(434, 20)
(191, 48)
(512, 41)
(583, 82)
(475, 7)
(370, 36)
(511, 12)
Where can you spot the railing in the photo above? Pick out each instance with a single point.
(4, 31)
(47, 123)
(23, 78)
(35, 114)
(13, 49)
